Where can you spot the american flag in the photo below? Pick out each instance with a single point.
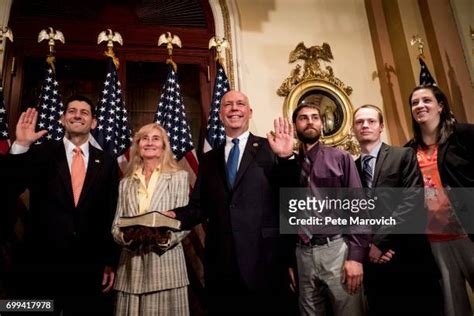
(425, 76)
(4, 137)
(215, 128)
(171, 115)
(50, 108)
(113, 133)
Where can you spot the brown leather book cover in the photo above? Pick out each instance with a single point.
(150, 219)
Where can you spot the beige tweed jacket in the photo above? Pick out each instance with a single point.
(152, 268)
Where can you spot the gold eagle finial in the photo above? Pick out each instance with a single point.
(110, 37)
(416, 39)
(220, 44)
(170, 40)
(6, 32)
(51, 36)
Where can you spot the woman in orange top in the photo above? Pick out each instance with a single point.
(445, 154)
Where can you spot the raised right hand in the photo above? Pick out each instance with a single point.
(281, 141)
(25, 128)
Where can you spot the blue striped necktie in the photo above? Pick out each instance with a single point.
(367, 171)
(233, 162)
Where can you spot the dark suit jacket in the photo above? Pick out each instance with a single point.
(413, 262)
(8, 217)
(243, 222)
(56, 230)
(397, 167)
(8, 197)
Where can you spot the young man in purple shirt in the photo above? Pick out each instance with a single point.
(329, 264)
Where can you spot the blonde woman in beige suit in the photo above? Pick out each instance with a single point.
(151, 275)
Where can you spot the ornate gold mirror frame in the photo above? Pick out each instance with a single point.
(321, 87)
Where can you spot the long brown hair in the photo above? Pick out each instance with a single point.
(446, 120)
(167, 163)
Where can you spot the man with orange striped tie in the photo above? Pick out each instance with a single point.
(69, 252)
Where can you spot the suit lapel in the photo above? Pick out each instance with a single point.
(251, 148)
(442, 150)
(95, 163)
(63, 168)
(358, 163)
(160, 189)
(379, 162)
(131, 195)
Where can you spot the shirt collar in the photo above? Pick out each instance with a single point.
(69, 146)
(311, 154)
(374, 153)
(138, 172)
(242, 137)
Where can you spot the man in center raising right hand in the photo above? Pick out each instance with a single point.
(329, 265)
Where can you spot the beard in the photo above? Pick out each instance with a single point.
(310, 135)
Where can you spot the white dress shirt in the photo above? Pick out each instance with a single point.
(242, 143)
(68, 146)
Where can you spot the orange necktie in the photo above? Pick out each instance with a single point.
(78, 173)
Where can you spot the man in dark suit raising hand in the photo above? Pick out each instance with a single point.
(236, 193)
(69, 253)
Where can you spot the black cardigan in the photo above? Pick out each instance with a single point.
(456, 170)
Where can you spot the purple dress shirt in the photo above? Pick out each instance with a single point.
(334, 168)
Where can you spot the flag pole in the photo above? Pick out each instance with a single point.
(215, 135)
(5, 33)
(113, 133)
(110, 37)
(50, 107)
(426, 78)
(170, 40)
(171, 112)
(51, 35)
(220, 44)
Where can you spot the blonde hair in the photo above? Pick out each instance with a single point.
(166, 163)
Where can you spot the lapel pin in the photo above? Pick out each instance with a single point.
(97, 161)
(255, 144)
